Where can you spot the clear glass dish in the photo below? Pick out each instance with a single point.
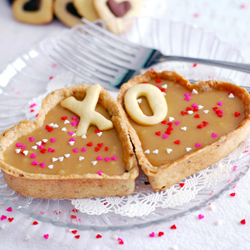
(33, 74)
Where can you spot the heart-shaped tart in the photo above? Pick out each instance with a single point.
(78, 146)
(179, 128)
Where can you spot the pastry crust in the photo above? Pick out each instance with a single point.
(71, 186)
(164, 176)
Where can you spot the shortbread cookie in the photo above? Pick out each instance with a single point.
(33, 11)
(115, 12)
(205, 122)
(86, 9)
(66, 12)
(50, 158)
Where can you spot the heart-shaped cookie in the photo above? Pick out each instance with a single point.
(115, 13)
(204, 123)
(68, 154)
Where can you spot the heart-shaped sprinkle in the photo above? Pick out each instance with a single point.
(84, 137)
(51, 166)
(169, 150)
(194, 92)
(243, 222)
(236, 114)
(214, 135)
(71, 132)
(74, 231)
(184, 128)
(42, 164)
(77, 236)
(231, 95)
(3, 217)
(197, 145)
(83, 149)
(113, 158)
(10, 219)
(177, 142)
(139, 100)
(34, 147)
(156, 151)
(94, 163)
(34, 163)
(46, 236)
(52, 139)
(197, 116)
(181, 184)
(205, 123)
(205, 111)
(121, 242)
(18, 144)
(160, 234)
(9, 209)
(71, 143)
(97, 149)
(173, 227)
(164, 122)
(31, 138)
(158, 133)
(147, 151)
(54, 159)
(234, 168)
(98, 236)
(66, 122)
(194, 105)
(107, 159)
(81, 158)
(188, 149)
(64, 118)
(61, 158)
(152, 235)
(89, 144)
(165, 86)
(63, 129)
(100, 145)
(27, 237)
(201, 216)
(99, 134)
(164, 136)
(99, 172)
(43, 151)
(35, 223)
(171, 119)
(232, 194)
(220, 103)
(98, 158)
(18, 150)
(177, 123)
(187, 98)
(190, 112)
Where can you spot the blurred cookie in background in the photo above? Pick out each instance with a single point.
(86, 9)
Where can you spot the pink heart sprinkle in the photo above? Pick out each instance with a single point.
(186, 94)
(194, 105)
(187, 98)
(197, 145)
(23, 146)
(42, 164)
(214, 135)
(234, 168)
(164, 136)
(40, 147)
(99, 172)
(234, 186)
(32, 156)
(75, 150)
(98, 158)
(34, 163)
(32, 138)
(220, 103)
(177, 122)
(71, 132)
(221, 112)
(46, 236)
(152, 235)
(33, 105)
(52, 139)
(54, 65)
(119, 239)
(113, 158)
(3, 217)
(50, 149)
(72, 139)
(201, 216)
(107, 159)
(18, 144)
(9, 209)
(74, 118)
(73, 123)
(83, 149)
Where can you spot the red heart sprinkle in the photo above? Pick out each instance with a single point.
(160, 234)
(197, 116)
(64, 118)
(89, 144)
(98, 236)
(183, 112)
(121, 242)
(35, 223)
(182, 184)
(194, 65)
(232, 194)
(158, 133)
(177, 142)
(97, 149)
(163, 90)
(75, 210)
(49, 128)
(51, 77)
(10, 219)
(188, 109)
(77, 236)
(74, 231)
(164, 122)
(215, 108)
(73, 217)
(97, 131)
(205, 123)
(100, 145)
(173, 227)
(157, 80)
(106, 148)
(168, 132)
(243, 221)
(43, 151)
(32, 110)
(237, 114)
(170, 124)
(200, 126)
(195, 109)
(43, 143)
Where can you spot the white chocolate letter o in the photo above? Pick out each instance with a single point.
(156, 100)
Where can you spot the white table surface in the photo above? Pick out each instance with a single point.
(230, 21)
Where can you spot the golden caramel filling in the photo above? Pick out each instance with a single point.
(55, 149)
(194, 119)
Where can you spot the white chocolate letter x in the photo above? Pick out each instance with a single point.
(86, 110)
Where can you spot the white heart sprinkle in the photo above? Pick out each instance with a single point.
(25, 152)
(194, 91)
(54, 159)
(169, 150)
(231, 95)
(205, 111)
(51, 166)
(51, 124)
(81, 158)
(163, 93)
(84, 136)
(67, 155)
(55, 126)
(63, 129)
(2, 225)
(27, 237)
(139, 100)
(200, 107)
(147, 151)
(18, 150)
(66, 122)
(39, 143)
(188, 149)
(60, 158)
(74, 134)
(190, 112)
(164, 86)
(94, 162)
(184, 128)
(171, 119)
(99, 134)
(71, 143)
(34, 147)
(155, 151)
(218, 223)
(211, 207)
(44, 140)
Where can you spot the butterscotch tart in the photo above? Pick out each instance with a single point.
(178, 128)
(78, 146)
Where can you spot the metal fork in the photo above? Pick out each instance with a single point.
(98, 56)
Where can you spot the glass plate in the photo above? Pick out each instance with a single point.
(35, 73)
